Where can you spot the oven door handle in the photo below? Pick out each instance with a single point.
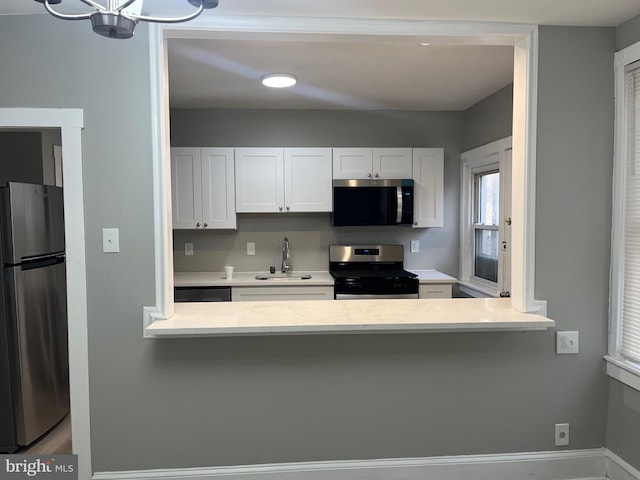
(348, 296)
(399, 212)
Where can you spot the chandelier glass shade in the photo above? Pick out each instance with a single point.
(112, 21)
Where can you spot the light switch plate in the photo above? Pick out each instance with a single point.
(567, 342)
(251, 248)
(415, 246)
(111, 240)
(188, 249)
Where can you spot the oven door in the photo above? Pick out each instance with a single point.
(363, 288)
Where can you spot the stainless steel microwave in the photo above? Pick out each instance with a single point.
(372, 202)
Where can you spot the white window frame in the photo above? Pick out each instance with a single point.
(618, 367)
(486, 158)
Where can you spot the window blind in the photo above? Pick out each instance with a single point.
(631, 263)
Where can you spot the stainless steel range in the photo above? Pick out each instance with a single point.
(370, 272)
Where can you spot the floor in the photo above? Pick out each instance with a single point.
(57, 440)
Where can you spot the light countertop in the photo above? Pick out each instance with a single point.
(432, 276)
(334, 316)
(217, 279)
(246, 279)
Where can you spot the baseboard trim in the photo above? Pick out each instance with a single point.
(618, 469)
(565, 465)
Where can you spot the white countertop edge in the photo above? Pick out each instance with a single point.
(349, 317)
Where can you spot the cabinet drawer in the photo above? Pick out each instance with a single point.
(435, 291)
(257, 294)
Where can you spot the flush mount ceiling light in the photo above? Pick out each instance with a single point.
(113, 22)
(279, 80)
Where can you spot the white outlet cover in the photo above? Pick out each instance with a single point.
(415, 246)
(562, 434)
(188, 249)
(110, 240)
(567, 342)
(251, 248)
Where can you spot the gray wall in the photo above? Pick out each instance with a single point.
(226, 401)
(628, 33)
(489, 120)
(310, 235)
(20, 157)
(623, 422)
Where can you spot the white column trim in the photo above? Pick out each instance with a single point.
(70, 121)
(524, 38)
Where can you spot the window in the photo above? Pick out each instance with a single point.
(486, 207)
(624, 341)
(484, 259)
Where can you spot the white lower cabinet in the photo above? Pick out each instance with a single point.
(435, 291)
(281, 180)
(202, 188)
(256, 294)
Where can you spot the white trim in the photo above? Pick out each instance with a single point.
(524, 38)
(571, 464)
(624, 371)
(617, 367)
(70, 121)
(478, 160)
(618, 469)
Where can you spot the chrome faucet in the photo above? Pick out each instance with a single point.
(287, 265)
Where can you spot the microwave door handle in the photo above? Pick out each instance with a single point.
(399, 212)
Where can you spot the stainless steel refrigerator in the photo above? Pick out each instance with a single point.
(34, 366)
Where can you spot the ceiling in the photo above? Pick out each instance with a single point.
(343, 72)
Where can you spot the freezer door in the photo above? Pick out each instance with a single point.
(39, 348)
(33, 221)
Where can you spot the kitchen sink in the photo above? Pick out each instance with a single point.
(282, 276)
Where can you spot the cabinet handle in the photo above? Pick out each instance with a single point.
(206, 225)
(198, 224)
(280, 208)
(288, 208)
(369, 175)
(376, 175)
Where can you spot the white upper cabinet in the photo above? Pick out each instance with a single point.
(202, 188)
(428, 175)
(272, 180)
(259, 180)
(307, 180)
(392, 163)
(375, 163)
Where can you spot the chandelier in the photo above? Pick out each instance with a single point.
(114, 22)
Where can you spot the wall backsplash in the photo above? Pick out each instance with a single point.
(309, 236)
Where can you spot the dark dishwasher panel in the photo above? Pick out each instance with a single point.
(202, 294)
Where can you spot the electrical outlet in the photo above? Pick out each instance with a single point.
(251, 248)
(567, 342)
(562, 434)
(415, 246)
(111, 240)
(188, 249)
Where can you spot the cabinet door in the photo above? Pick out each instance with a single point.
(435, 291)
(218, 188)
(392, 163)
(428, 174)
(186, 188)
(307, 179)
(351, 163)
(259, 180)
(260, 294)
